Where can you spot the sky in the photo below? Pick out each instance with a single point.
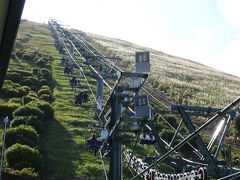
(206, 31)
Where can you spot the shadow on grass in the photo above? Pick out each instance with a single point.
(59, 151)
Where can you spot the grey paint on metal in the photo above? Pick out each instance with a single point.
(201, 146)
(99, 96)
(142, 62)
(115, 172)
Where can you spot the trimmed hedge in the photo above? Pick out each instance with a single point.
(25, 173)
(31, 81)
(44, 107)
(22, 134)
(32, 94)
(46, 74)
(45, 87)
(24, 90)
(44, 91)
(27, 110)
(15, 101)
(22, 156)
(27, 120)
(27, 99)
(14, 76)
(41, 62)
(8, 109)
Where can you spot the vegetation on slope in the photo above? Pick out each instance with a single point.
(184, 81)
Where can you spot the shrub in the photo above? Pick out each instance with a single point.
(45, 97)
(43, 81)
(27, 120)
(27, 110)
(26, 173)
(8, 109)
(171, 118)
(14, 76)
(22, 134)
(31, 81)
(24, 73)
(32, 94)
(9, 92)
(167, 135)
(28, 57)
(19, 54)
(22, 156)
(15, 101)
(45, 107)
(44, 91)
(41, 62)
(45, 87)
(27, 99)
(46, 74)
(35, 71)
(23, 91)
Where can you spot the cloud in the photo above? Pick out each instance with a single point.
(230, 10)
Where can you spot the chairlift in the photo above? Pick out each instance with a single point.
(74, 82)
(147, 138)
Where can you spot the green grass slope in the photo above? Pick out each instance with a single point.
(184, 81)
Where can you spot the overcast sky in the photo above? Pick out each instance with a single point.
(207, 31)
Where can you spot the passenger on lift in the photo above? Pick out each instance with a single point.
(147, 138)
(93, 144)
(78, 98)
(74, 82)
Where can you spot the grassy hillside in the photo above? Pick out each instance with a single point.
(62, 142)
(184, 81)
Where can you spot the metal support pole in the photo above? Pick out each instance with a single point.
(115, 172)
(191, 136)
(99, 96)
(227, 124)
(201, 146)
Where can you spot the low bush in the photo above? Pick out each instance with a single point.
(7, 109)
(22, 156)
(31, 81)
(26, 173)
(14, 76)
(28, 57)
(22, 134)
(27, 99)
(28, 110)
(44, 91)
(19, 54)
(27, 120)
(32, 94)
(45, 97)
(15, 101)
(44, 107)
(23, 91)
(44, 82)
(46, 74)
(45, 87)
(24, 72)
(41, 62)
(35, 71)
